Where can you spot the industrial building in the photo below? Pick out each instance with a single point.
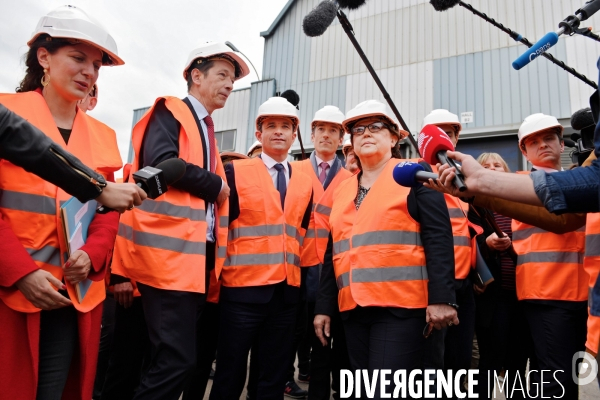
(426, 60)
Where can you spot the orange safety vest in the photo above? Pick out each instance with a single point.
(32, 206)
(308, 256)
(591, 264)
(549, 265)
(378, 256)
(162, 243)
(463, 250)
(263, 245)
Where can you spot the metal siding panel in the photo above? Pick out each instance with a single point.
(479, 98)
(581, 54)
(505, 92)
(437, 84)
(517, 95)
(461, 85)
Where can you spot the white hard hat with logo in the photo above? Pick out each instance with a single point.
(70, 22)
(442, 117)
(371, 108)
(214, 51)
(536, 123)
(330, 114)
(277, 107)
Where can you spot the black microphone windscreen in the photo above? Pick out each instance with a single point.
(318, 20)
(443, 5)
(173, 169)
(582, 119)
(291, 96)
(575, 136)
(351, 4)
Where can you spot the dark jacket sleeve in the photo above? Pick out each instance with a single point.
(328, 292)
(29, 148)
(161, 142)
(436, 236)
(234, 200)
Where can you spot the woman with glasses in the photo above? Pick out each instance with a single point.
(389, 264)
(50, 343)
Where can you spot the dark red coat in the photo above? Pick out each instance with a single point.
(19, 332)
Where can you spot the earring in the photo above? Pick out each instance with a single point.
(45, 78)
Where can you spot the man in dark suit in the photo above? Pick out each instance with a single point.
(168, 246)
(269, 212)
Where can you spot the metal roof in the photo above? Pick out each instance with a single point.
(285, 9)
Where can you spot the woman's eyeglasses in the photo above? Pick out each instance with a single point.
(373, 128)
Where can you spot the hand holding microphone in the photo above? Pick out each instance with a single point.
(121, 196)
(434, 143)
(152, 182)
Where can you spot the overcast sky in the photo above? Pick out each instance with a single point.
(153, 37)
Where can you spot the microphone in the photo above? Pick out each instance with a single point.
(433, 145)
(443, 5)
(351, 5)
(410, 174)
(581, 119)
(155, 181)
(569, 25)
(539, 48)
(291, 96)
(570, 142)
(316, 22)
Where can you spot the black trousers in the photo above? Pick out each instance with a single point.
(106, 338)
(504, 343)
(206, 346)
(273, 325)
(558, 333)
(326, 361)
(459, 338)
(59, 339)
(129, 353)
(377, 339)
(171, 319)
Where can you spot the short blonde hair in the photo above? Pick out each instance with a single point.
(485, 157)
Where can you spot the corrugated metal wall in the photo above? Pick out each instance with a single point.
(498, 95)
(259, 93)
(235, 116)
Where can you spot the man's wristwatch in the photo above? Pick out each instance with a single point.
(454, 305)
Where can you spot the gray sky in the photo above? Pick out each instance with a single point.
(153, 37)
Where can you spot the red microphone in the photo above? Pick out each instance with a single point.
(433, 145)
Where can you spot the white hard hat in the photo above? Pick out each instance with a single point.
(347, 144)
(254, 146)
(70, 22)
(371, 108)
(213, 51)
(441, 117)
(330, 114)
(536, 123)
(277, 107)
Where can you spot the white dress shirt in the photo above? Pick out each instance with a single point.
(270, 164)
(210, 209)
(547, 170)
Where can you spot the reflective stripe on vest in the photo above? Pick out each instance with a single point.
(387, 274)
(317, 236)
(463, 250)
(377, 261)
(549, 266)
(591, 264)
(27, 202)
(163, 242)
(30, 205)
(265, 239)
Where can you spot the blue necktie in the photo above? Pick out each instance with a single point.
(281, 186)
